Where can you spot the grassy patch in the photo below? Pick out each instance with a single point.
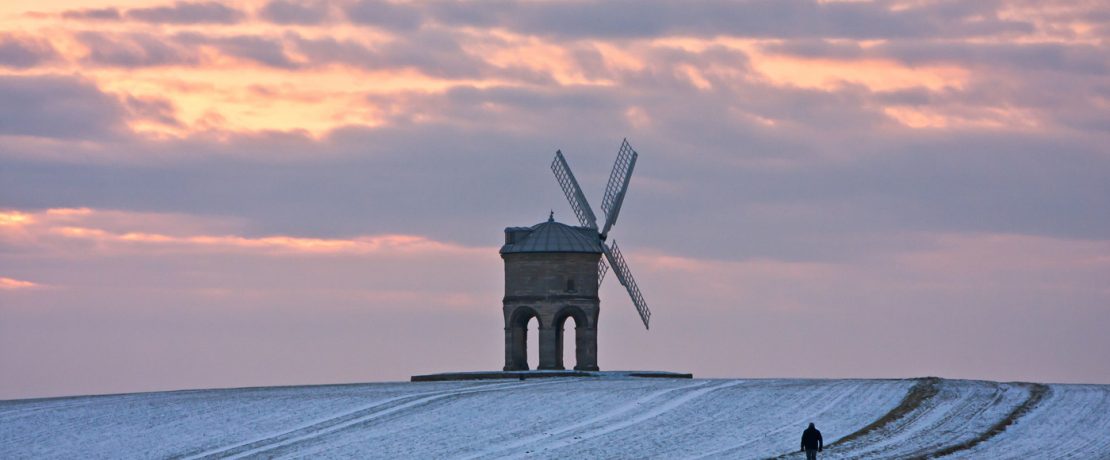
(924, 389)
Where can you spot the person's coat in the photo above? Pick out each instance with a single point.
(811, 439)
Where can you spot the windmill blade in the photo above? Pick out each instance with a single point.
(624, 275)
(573, 192)
(602, 268)
(618, 185)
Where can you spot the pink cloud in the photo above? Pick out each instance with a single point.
(158, 253)
(123, 231)
(12, 284)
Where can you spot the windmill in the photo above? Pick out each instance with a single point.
(553, 271)
(611, 204)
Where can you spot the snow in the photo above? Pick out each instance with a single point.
(1073, 421)
(959, 412)
(562, 418)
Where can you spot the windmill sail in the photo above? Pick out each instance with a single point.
(624, 275)
(611, 204)
(618, 185)
(573, 192)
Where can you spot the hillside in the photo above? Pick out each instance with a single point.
(573, 418)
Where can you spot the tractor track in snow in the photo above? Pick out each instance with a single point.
(1073, 416)
(921, 391)
(320, 427)
(1099, 443)
(623, 416)
(1037, 393)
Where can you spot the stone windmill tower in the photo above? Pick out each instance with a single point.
(553, 271)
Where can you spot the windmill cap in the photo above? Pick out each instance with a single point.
(551, 236)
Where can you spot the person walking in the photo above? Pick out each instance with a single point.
(812, 442)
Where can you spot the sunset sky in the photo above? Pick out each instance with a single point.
(279, 192)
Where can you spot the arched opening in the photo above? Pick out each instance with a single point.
(567, 344)
(523, 328)
(533, 333)
(581, 322)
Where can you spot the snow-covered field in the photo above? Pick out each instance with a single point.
(573, 418)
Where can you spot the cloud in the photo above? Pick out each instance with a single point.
(385, 14)
(1071, 58)
(330, 50)
(295, 12)
(135, 50)
(751, 18)
(835, 200)
(95, 14)
(431, 53)
(435, 54)
(57, 107)
(624, 19)
(181, 12)
(1055, 57)
(231, 243)
(130, 232)
(157, 110)
(188, 13)
(175, 241)
(12, 284)
(14, 218)
(21, 52)
(812, 48)
(262, 50)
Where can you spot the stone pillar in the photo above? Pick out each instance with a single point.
(510, 356)
(516, 349)
(560, 345)
(549, 349)
(585, 347)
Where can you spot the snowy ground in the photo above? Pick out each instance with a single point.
(572, 418)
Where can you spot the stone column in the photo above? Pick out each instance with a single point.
(585, 345)
(549, 349)
(559, 347)
(510, 351)
(516, 348)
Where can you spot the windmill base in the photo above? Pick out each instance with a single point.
(524, 375)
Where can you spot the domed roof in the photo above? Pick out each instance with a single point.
(551, 236)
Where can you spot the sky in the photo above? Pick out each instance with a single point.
(227, 194)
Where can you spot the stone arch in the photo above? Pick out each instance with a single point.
(585, 338)
(516, 337)
(521, 315)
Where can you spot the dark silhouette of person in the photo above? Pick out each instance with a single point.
(812, 442)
